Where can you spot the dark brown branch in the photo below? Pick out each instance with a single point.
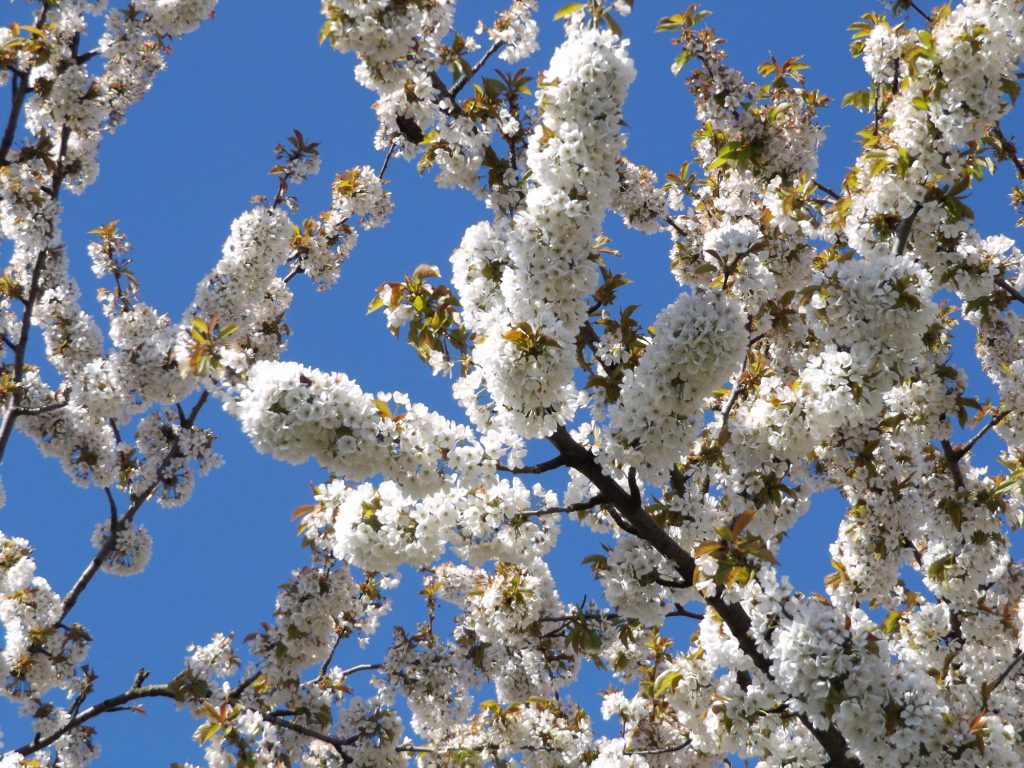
(904, 228)
(827, 190)
(1014, 293)
(113, 704)
(581, 506)
(535, 469)
(953, 462)
(137, 501)
(19, 90)
(967, 447)
(387, 160)
(679, 230)
(49, 407)
(1017, 656)
(644, 526)
(683, 613)
(658, 750)
(917, 8)
(7, 424)
(1011, 148)
(338, 744)
(461, 83)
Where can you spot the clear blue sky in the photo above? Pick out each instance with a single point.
(186, 163)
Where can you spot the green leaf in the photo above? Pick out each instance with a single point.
(207, 732)
(568, 10)
(666, 680)
(681, 61)
(891, 622)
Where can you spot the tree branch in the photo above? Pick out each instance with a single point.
(338, 744)
(535, 469)
(461, 83)
(11, 413)
(917, 8)
(1001, 282)
(967, 447)
(1011, 148)
(137, 501)
(581, 506)
(827, 190)
(19, 89)
(953, 462)
(903, 230)
(113, 704)
(644, 526)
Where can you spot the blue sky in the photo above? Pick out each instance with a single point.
(187, 162)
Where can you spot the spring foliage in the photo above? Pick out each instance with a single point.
(808, 349)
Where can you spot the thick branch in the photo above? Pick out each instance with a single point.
(535, 469)
(1001, 282)
(953, 462)
(644, 526)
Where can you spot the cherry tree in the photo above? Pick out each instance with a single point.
(808, 349)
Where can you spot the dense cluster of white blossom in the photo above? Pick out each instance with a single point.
(808, 349)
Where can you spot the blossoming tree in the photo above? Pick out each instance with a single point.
(808, 349)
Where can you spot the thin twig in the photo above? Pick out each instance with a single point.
(917, 8)
(464, 80)
(828, 191)
(338, 744)
(657, 750)
(904, 228)
(581, 506)
(113, 704)
(969, 445)
(41, 409)
(330, 656)
(137, 501)
(387, 160)
(1017, 656)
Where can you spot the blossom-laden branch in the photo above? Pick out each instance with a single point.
(118, 522)
(643, 526)
(113, 704)
(821, 307)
